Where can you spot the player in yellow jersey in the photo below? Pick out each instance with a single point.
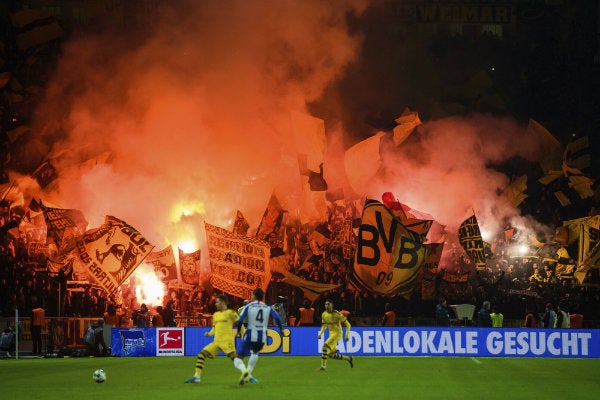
(332, 319)
(222, 329)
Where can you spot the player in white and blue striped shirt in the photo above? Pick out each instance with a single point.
(256, 315)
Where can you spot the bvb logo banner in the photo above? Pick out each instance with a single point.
(388, 255)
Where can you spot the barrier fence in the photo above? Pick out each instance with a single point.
(58, 333)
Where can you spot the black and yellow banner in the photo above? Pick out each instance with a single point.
(430, 271)
(470, 239)
(388, 256)
(164, 263)
(112, 252)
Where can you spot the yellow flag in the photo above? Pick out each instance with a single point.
(388, 256)
(470, 239)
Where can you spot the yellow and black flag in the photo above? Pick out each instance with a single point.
(470, 239)
(112, 252)
(164, 263)
(576, 166)
(240, 226)
(430, 271)
(64, 226)
(389, 256)
(270, 227)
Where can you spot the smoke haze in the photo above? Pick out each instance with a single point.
(193, 121)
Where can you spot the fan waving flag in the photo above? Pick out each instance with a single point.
(470, 239)
(112, 252)
(388, 256)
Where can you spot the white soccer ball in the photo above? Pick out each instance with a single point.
(99, 375)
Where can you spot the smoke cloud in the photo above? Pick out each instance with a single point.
(190, 121)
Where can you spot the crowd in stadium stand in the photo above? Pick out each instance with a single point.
(511, 284)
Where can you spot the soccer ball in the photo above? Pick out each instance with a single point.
(99, 375)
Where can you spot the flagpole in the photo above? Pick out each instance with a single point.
(17, 333)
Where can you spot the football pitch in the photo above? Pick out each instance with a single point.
(298, 378)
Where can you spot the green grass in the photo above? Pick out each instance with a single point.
(297, 378)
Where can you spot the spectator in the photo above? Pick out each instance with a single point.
(8, 340)
(442, 315)
(307, 314)
(563, 320)
(168, 314)
(530, 319)
(389, 317)
(110, 316)
(38, 316)
(157, 319)
(141, 317)
(576, 320)
(280, 309)
(94, 340)
(345, 313)
(483, 317)
(497, 318)
(549, 317)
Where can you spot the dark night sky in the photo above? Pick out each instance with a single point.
(544, 70)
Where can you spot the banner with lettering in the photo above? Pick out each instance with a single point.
(164, 263)
(36, 250)
(470, 239)
(376, 341)
(112, 252)
(238, 264)
(189, 264)
(388, 257)
(456, 283)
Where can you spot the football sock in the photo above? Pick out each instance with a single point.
(239, 364)
(252, 362)
(338, 356)
(324, 357)
(200, 360)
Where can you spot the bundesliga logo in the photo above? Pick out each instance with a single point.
(169, 341)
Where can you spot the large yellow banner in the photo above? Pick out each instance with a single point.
(112, 252)
(388, 256)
